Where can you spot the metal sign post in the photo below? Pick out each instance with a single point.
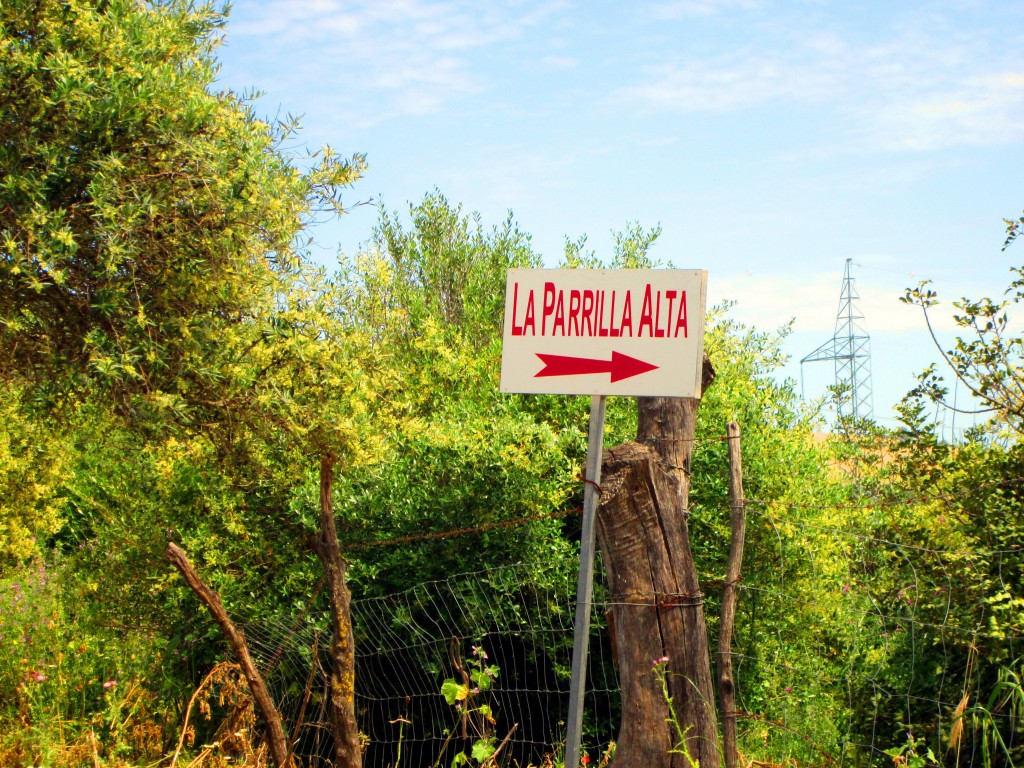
(585, 585)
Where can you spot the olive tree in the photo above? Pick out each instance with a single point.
(142, 212)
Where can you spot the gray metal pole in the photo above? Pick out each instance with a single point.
(585, 586)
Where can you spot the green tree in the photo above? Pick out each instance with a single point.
(149, 262)
(429, 295)
(966, 597)
(141, 212)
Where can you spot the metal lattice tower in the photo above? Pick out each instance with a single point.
(850, 350)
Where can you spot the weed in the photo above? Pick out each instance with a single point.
(660, 669)
(467, 693)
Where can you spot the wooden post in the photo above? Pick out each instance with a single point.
(276, 740)
(730, 594)
(342, 707)
(669, 425)
(657, 606)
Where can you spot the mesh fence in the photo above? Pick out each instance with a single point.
(514, 622)
(870, 642)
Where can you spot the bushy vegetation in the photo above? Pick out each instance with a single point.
(175, 369)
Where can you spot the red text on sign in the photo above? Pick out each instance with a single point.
(599, 313)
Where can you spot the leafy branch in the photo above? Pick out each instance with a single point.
(985, 358)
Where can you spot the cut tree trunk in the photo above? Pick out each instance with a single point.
(276, 740)
(657, 606)
(342, 707)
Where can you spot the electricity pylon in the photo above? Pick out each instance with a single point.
(850, 350)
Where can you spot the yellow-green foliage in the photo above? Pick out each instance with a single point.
(145, 215)
(32, 462)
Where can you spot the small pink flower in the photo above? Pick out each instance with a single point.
(788, 689)
(109, 684)
(846, 588)
(662, 660)
(37, 676)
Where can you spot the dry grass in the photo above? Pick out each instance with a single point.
(136, 739)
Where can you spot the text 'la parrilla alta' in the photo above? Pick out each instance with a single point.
(657, 313)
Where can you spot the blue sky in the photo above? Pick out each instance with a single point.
(770, 140)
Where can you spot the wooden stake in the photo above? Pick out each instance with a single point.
(730, 595)
(278, 742)
(342, 706)
(656, 601)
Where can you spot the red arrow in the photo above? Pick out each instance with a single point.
(620, 366)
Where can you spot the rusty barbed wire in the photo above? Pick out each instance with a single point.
(694, 440)
(482, 528)
(751, 504)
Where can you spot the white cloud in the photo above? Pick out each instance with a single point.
(510, 173)
(745, 83)
(677, 9)
(913, 91)
(384, 59)
(981, 110)
(560, 62)
(770, 300)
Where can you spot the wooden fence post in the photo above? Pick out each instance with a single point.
(657, 608)
(730, 595)
(342, 707)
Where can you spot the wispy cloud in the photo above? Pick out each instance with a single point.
(511, 172)
(412, 56)
(986, 109)
(811, 302)
(726, 86)
(560, 62)
(910, 89)
(678, 9)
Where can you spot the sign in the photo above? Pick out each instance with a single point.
(633, 332)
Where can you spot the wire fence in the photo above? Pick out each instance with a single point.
(514, 622)
(838, 660)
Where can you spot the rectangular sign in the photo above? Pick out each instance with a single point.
(633, 332)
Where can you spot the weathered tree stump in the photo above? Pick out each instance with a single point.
(656, 604)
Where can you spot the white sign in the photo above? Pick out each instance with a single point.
(604, 332)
